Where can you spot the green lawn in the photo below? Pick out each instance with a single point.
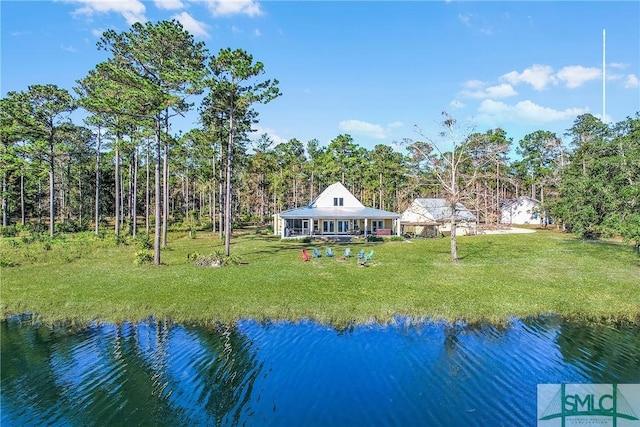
(497, 277)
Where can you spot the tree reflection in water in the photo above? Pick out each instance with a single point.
(150, 373)
(305, 373)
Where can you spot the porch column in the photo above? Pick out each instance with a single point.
(283, 226)
(310, 226)
(366, 221)
(398, 229)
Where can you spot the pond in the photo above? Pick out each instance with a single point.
(294, 374)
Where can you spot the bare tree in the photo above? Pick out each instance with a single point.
(444, 157)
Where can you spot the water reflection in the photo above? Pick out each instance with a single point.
(157, 373)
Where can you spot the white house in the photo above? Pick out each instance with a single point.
(433, 216)
(336, 212)
(523, 210)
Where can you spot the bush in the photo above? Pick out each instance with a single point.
(372, 238)
(9, 231)
(120, 239)
(143, 257)
(71, 226)
(144, 241)
(216, 259)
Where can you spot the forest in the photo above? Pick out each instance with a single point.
(123, 170)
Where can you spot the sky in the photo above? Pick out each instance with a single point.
(380, 71)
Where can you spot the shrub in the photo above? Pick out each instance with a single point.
(120, 240)
(9, 231)
(144, 241)
(143, 257)
(216, 259)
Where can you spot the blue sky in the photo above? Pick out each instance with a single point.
(372, 69)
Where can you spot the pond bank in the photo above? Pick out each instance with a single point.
(497, 278)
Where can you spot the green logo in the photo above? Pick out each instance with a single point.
(580, 404)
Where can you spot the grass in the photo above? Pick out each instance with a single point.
(497, 277)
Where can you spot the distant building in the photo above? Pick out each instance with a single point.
(336, 212)
(523, 210)
(432, 217)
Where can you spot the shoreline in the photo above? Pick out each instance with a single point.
(497, 278)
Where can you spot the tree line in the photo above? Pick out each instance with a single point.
(123, 164)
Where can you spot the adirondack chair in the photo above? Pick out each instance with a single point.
(305, 255)
(360, 254)
(347, 253)
(316, 253)
(329, 251)
(369, 256)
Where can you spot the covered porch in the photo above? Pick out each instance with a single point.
(336, 226)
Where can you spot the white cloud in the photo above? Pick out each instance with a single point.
(97, 32)
(475, 22)
(363, 128)
(618, 65)
(259, 131)
(257, 33)
(576, 75)
(500, 91)
(131, 10)
(538, 76)
(524, 112)
(474, 84)
(631, 82)
(465, 18)
(69, 48)
(395, 124)
(169, 4)
(197, 28)
(233, 7)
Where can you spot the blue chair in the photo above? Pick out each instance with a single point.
(360, 254)
(347, 253)
(316, 253)
(329, 252)
(369, 256)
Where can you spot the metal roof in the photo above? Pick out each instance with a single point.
(337, 212)
(440, 209)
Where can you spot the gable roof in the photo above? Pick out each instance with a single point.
(325, 199)
(439, 210)
(508, 204)
(323, 207)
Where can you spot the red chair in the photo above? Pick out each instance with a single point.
(305, 255)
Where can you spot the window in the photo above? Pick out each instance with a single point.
(328, 226)
(338, 201)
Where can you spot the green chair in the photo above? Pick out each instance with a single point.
(369, 256)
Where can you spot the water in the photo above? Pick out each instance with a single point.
(303, 374)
